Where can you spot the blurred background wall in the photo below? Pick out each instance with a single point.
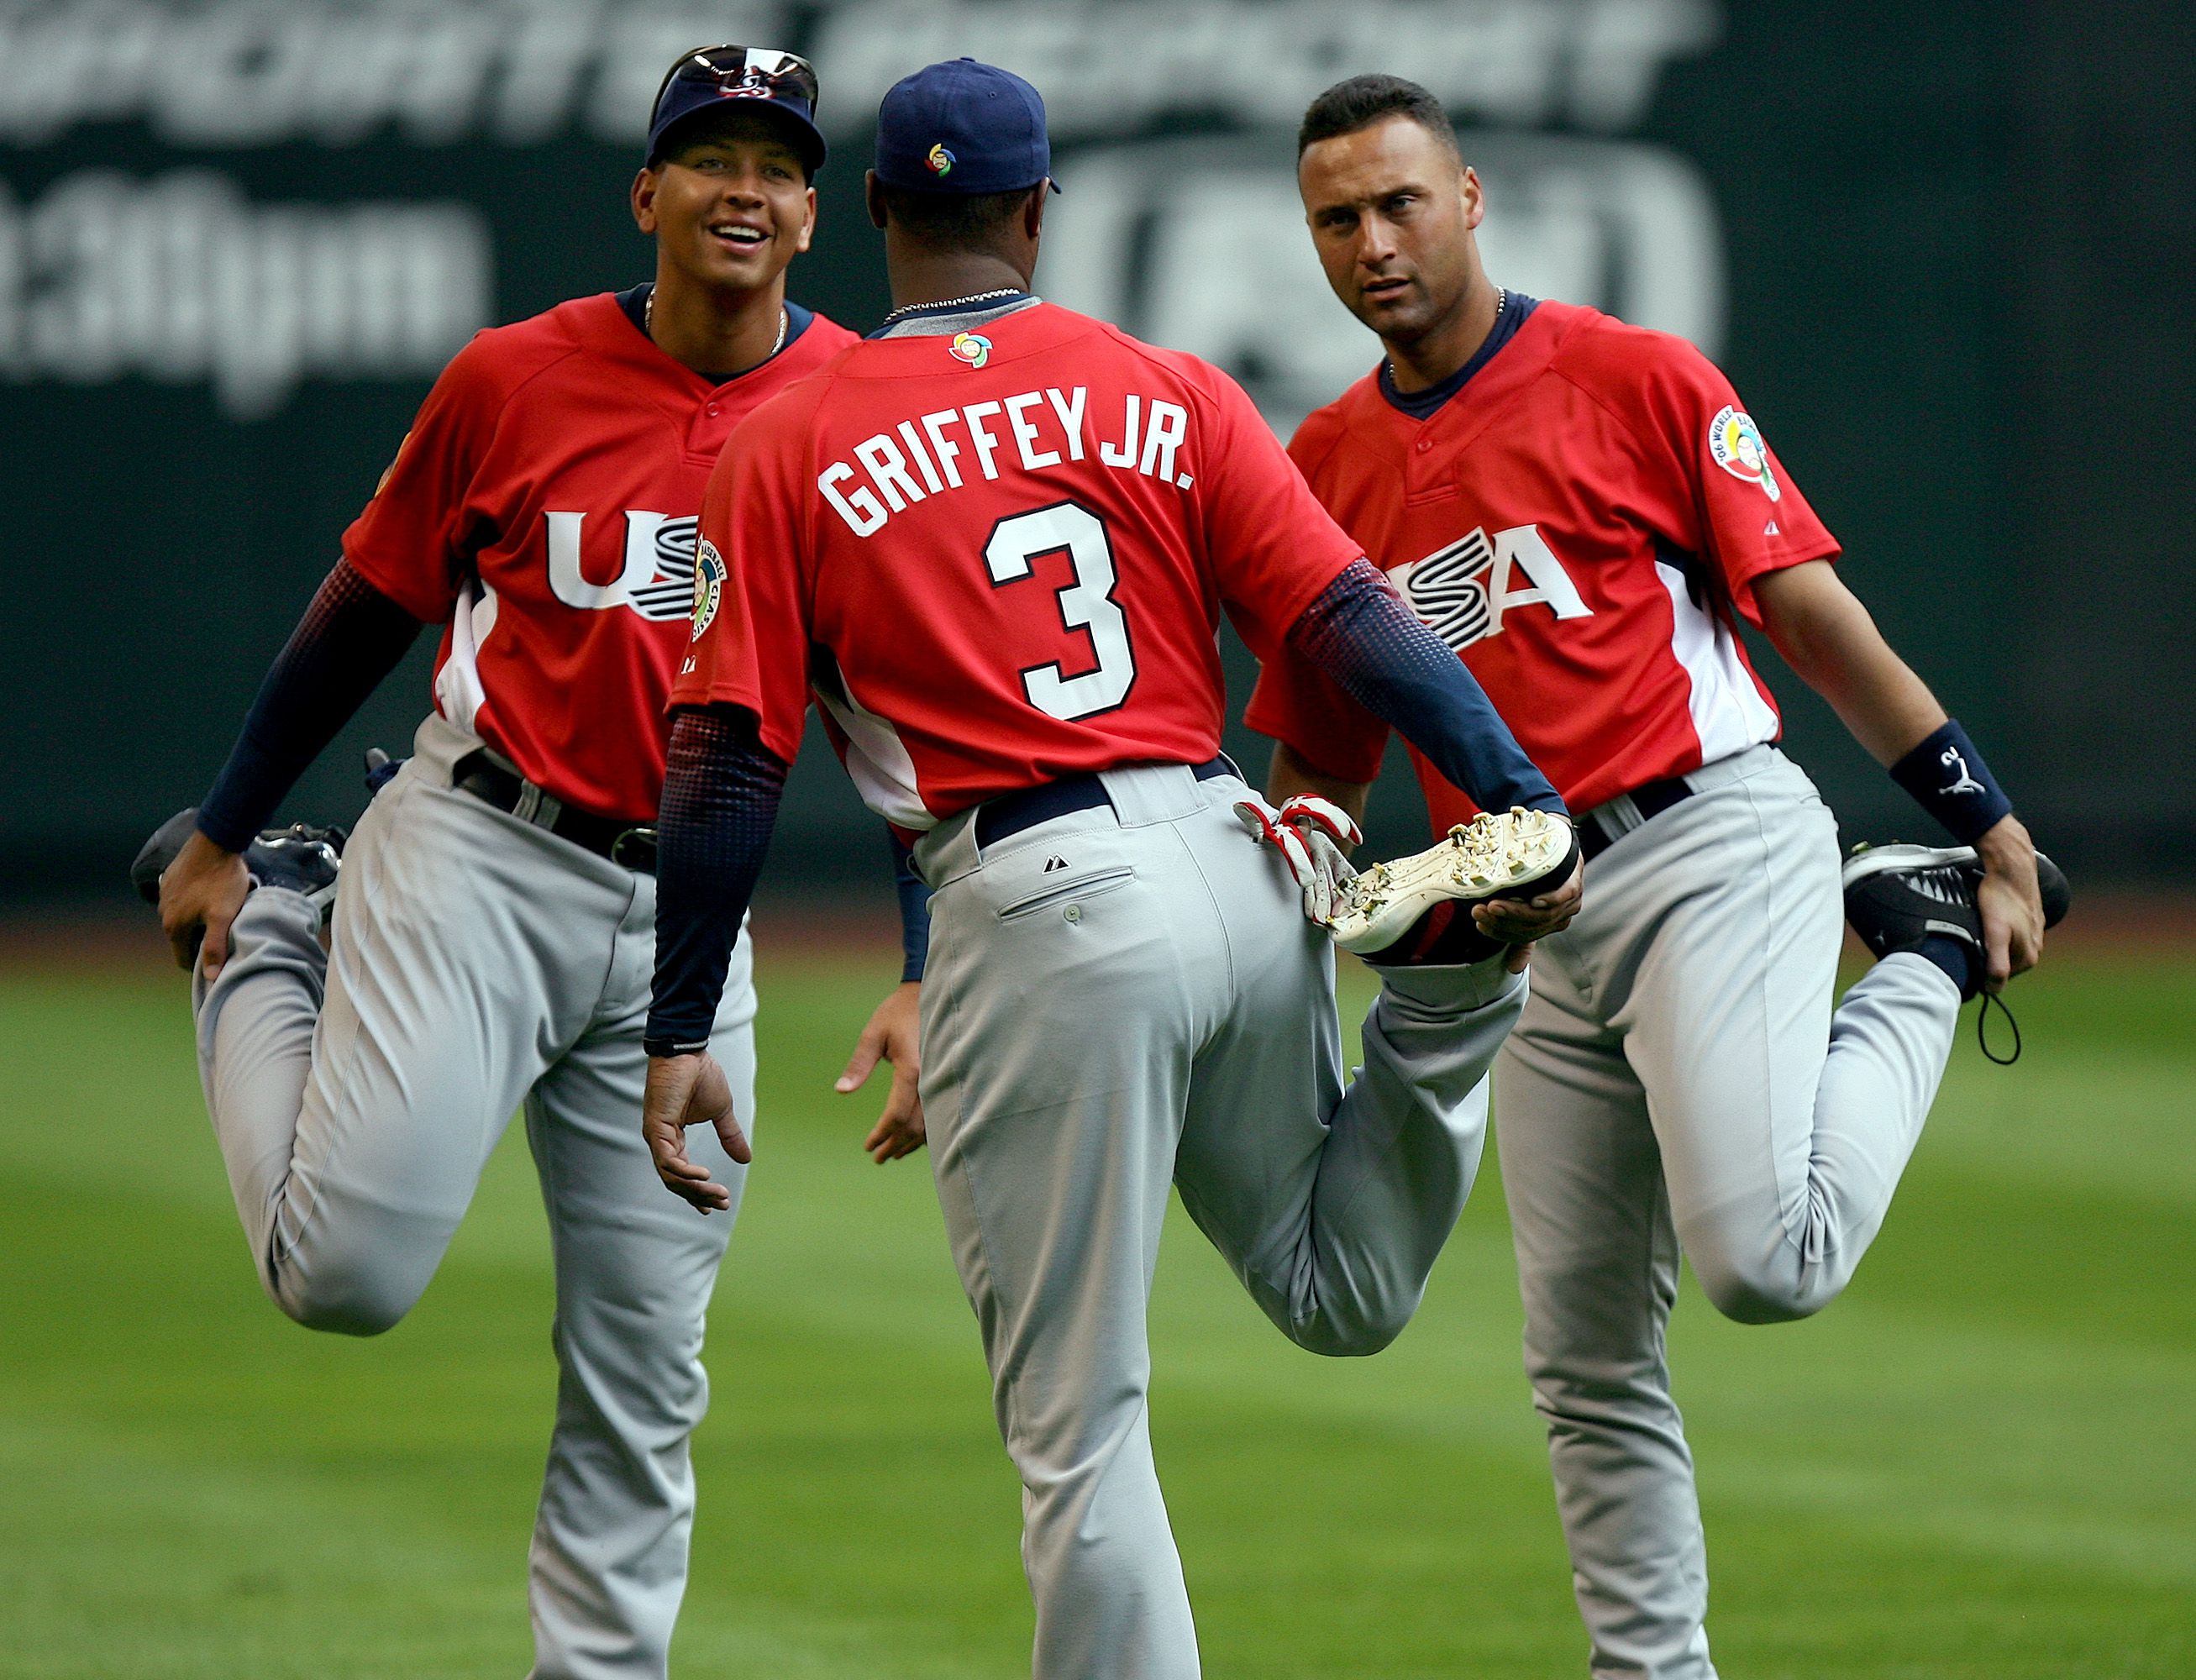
(1946, 253)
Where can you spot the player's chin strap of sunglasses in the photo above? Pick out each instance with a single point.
(493, 782)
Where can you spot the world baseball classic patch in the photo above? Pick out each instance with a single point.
(1735, 443)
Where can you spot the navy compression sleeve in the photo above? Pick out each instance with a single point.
(350, 638)
(721, 791)
(914, 912)
(1360, 632)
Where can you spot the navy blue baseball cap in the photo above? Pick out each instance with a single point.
(963, 127)
(708, 78)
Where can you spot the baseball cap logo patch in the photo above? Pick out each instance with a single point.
(939, 161)
(972, 348)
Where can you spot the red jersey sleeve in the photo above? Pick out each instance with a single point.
(1273, 547)
(1295, 701)
(1742, 510)
(414, 541)
(751, 620)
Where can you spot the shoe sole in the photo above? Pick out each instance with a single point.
(1497, 854)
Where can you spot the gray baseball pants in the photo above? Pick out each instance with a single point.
(1122, 999)
(1680, 1083)
(479, 962)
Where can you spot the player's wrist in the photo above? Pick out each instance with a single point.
(1946, 774)
(669, 1049)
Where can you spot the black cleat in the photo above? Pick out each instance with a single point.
(299, 859)
(1897, 896)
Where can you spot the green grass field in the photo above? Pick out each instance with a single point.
(1982, 1463)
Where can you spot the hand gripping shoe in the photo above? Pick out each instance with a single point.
(299, 858)
(1416, 910)
(1897, 896)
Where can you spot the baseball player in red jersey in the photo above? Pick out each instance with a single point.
(993, 543)
(493, 935)
(1584, 511)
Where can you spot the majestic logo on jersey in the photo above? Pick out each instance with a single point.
(972, 348)
(708, 583)
(1735, 443)
(1462, 591)
(657, 580)
(939, 161)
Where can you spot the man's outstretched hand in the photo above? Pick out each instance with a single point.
(683, 1091)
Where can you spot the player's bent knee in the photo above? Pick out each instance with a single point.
(1355, 1335)
(1765, 1294)
(343, 1301)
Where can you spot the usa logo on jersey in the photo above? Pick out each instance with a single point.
(1461, 591)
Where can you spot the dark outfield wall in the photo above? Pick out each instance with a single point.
(1944, 254)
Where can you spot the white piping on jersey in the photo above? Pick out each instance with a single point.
(1728, 712)
(459, 693)
(877, 760)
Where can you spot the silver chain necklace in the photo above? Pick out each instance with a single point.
(1501, 302)
(956, 303)
(648, 323)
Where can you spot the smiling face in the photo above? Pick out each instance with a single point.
(1391, 210)
(729, 204)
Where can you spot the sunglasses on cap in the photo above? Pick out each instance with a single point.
(741, 72)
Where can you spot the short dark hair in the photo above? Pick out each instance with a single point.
(1363, 101)
(954, 219)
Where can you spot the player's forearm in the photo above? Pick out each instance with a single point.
(1833, 645)
(1827, 639)
(1291, 774)
(350, 638)
(721, 787)
(1360, 632)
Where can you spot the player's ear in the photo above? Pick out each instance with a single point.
(873, 198)
(1475, 198)
(807, 223)
(643, 200)
(1033, 209)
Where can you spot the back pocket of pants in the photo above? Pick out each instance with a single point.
(1059, 892)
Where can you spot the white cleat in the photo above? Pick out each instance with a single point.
(1498, 855)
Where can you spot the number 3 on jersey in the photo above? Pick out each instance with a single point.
(1085, 604)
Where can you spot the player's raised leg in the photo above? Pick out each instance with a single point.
(1331, 1205)
(354, 1125)
(634, 1273)
(1783, 1127)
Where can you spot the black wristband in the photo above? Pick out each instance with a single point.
(1948, 779)
(657, 1047)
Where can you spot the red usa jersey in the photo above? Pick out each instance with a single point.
(997, 557)
(543, 506)
(1579, 523)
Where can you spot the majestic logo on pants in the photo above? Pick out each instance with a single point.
(1462, 591)
(656, 578)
